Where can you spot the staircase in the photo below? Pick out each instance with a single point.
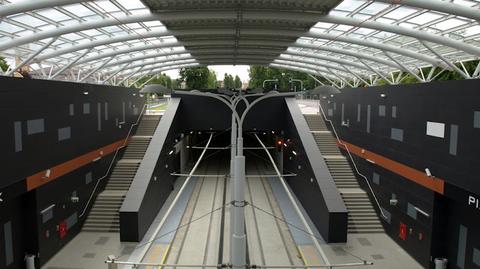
(104, 216)
(362, 217)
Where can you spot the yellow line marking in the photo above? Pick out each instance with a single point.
(302, 256)
(165, 255)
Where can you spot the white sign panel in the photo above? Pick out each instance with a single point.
(436, 129)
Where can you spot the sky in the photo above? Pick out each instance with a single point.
(220, 70)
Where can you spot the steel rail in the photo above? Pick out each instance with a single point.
(172, 205)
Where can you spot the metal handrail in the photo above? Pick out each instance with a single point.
(351, 158)
(113, 161)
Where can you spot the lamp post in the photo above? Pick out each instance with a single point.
(297, 80)
(270, 80)
(237, 169)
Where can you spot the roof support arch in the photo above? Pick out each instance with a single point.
(440, 6)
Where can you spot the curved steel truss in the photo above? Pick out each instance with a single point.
(346, 42)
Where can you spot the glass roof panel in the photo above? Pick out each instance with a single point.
(135, 47)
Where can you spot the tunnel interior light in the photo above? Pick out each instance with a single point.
(383, 95)
(171, 152)
(294, 152)
(85, 93)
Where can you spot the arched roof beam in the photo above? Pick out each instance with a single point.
(262, 15)
(256, 57)
(197, 52)
(316, 68)
(30, 5)
(301, 69)
(207, 42)
(243, 52)
(440, 6)
(153, 63)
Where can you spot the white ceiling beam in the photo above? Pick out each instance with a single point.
(30, 58)
(258, 15)
(440, 6)
(30, 5)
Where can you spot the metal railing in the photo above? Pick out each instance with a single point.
(322, 112)
(124, 144)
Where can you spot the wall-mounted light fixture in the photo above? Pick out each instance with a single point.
(383, 95)
(294, 152)
(85, 93)
(427, 171)
(422, 212)
(47, 173)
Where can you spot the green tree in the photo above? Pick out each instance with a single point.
(3, 64)
(258, 74)
(212, 80)
(161, 78)
(238, 82)
(228, 81)
(195, 77)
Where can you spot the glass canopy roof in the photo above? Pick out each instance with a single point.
(118, 41)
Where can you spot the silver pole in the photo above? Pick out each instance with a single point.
(238, 237)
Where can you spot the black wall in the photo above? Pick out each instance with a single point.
(30, 146)
(408, 108)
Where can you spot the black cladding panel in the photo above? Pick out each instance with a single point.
(48, 122)
(393, 121)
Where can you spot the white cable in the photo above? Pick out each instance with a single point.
(167, 213)
(297, 208)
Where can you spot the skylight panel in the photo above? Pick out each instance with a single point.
(474, 30)
(364, 31)
(25, 33)
(28, 20)
(153, 23)
(106, 5)
(449, 24)
(374, 8)
(386, 20)
(79, 10)
(349, 5)
(72, 37)
(131, 4)
(9, 28)
(92, 32)
(343, 27)
(425, 18)
(339, 13)
(362, 17)
(323, 25)
(111, 29)
(408, 25)
(400, 13)
(53, 14)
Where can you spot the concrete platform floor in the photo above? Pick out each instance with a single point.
(271, 241)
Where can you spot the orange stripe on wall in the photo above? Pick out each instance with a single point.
(434, 184)
(36, 180)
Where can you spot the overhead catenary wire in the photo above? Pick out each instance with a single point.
(300, 213)
(169, 210)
